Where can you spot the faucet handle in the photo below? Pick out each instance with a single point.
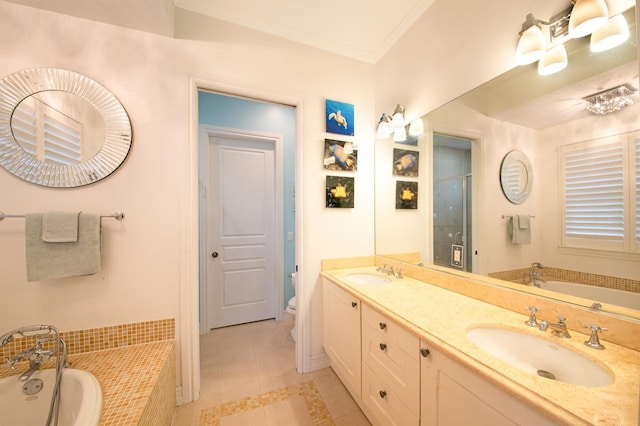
(594, 341)
(532, 321)
(561, 320)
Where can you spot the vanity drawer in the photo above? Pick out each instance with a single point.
(389, 331)
(387, 407)
(393, 355)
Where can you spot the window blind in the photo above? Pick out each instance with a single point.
(594, 191)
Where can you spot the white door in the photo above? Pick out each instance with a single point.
(241, 223)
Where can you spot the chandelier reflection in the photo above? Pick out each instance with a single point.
(610, 100)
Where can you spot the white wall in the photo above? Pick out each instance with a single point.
(143, 265)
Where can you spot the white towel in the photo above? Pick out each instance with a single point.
(60, 227)
(520, 229)
(46, 261)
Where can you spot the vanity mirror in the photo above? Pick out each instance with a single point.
(60, 129)
(549, 113)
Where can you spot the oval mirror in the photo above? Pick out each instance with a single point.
(516, 177)
(60, 129)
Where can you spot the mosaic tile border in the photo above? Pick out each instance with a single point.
(307, 390)
(516, 275)
(97, 339)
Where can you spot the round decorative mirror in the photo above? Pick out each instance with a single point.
(60, 129)
(516, 177)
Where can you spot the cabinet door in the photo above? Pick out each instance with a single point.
(341, 334)
(453, 395)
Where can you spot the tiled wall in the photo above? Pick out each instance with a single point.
(557, 274)
(96, 339)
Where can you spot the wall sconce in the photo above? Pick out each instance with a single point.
(610, 100)
(396, 125)
(584, 17)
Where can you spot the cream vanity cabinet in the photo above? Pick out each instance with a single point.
(390, 370)
(341, 335)
(453, 395)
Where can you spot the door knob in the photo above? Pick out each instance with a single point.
(214, 254)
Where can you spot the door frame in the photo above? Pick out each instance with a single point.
(187, 322)
(205, 133)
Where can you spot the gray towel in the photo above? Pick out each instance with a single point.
(60, 227)
(519, 229)
(46, 261)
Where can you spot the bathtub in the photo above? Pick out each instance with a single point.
(627, 299)
(80, 399)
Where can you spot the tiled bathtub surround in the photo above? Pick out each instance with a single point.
(557, 274)
(97, 339)
(134, 363)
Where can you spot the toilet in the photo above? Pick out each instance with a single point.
(291, 305)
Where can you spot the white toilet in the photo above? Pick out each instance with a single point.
(291, 305)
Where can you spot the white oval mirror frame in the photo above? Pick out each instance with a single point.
(516, 177)
(118, 133)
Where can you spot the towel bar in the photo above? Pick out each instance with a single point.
(506, 216)
(116, 215)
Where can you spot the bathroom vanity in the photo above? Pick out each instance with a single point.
(400, 346)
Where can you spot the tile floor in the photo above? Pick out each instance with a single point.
(248, 376)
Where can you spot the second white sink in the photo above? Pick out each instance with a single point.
(539, 356)
(368, 279)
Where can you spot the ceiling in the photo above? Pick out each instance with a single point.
(360, 29)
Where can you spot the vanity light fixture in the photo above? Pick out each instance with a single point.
(613, 33)
(553, 60)
(610, 100)
(582, 18)
(586, 17)
(397, 126)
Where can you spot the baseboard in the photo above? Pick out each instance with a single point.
(318, 362)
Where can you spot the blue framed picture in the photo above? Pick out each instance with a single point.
(339, 118)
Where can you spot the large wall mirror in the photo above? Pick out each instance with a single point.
(529, 113)
(60, 129)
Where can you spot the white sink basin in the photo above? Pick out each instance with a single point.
(539, 356)
(368, 279)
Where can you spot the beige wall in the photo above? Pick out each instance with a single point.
(143, 262)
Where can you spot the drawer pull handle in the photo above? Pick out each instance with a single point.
(424, 352)
(383, 326)
(383, 346)
(383, 394)
(354, 305)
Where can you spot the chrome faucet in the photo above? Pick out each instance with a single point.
(593, 341)
(390, 271)
(558, 329)
(535, 274)
(37, 354)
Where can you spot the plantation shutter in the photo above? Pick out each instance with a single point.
(594, 191)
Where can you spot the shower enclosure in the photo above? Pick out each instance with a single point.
(452, 244)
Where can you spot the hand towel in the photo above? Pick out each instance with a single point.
(519, 229)
(46, 261)
(60, 227)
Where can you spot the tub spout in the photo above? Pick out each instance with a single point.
(33, 366)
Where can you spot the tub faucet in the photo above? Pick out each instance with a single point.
(535, 273)
(37, 354)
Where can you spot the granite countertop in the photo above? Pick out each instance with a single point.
(442, 318)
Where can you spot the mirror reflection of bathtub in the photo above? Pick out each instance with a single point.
(603, 295)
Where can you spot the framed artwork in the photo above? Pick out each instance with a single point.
(405, 162)
(339, 118)
(340, 192)
(406, 195)
(339, 155)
